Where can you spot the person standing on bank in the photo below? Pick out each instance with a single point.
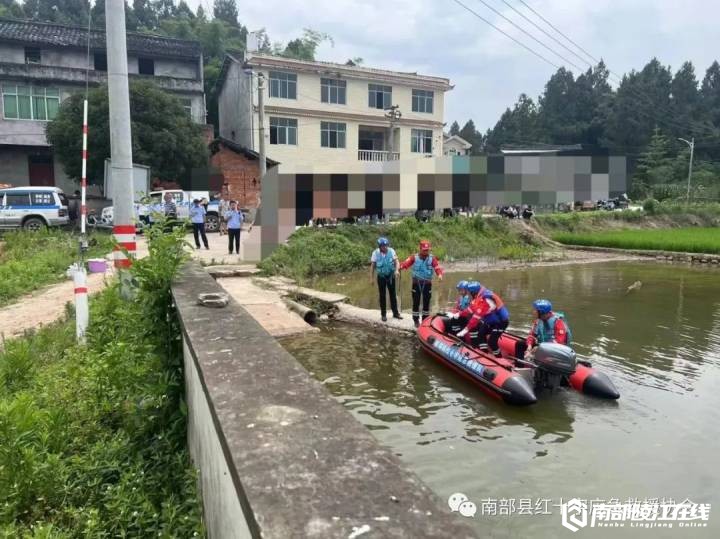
(424, 267)
(234, 219)
(384, 262)
(197, 217)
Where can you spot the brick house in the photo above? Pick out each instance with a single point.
(239, 168)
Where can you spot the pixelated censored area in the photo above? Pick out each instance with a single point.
(481, 183)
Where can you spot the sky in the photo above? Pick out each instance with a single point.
(488, 70)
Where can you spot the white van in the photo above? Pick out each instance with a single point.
(33, 208)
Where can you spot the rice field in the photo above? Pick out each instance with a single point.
(689, 240)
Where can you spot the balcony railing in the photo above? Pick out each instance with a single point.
(377, 155)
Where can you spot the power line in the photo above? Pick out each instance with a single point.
(530, 35)
(506, 34)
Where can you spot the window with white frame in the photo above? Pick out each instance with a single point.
(421, 140)
(283, 131)
(283, 85)
(422, 101)
(332, 135)
(332, 91)
(29, 102)
(187, 106)
(379, 96)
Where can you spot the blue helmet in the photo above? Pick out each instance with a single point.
(542, 306)
(383, 241)
(474, 287)
(462, 285)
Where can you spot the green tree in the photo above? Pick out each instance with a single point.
(710, 111)
(62, 11)
(518, 126)
(654, 166)
(305, 47)
(641, 104)
(226, 10)
(163, 136)
(11, 8)
(455, 128)
(145, 14)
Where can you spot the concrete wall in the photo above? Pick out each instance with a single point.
(65, 58)
(12, 53)
(235, 108)
(278, 457)
(13, 167)
(175, 68)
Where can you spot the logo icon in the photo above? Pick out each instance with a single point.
(459, 503)
(455, 500)
(574, 514)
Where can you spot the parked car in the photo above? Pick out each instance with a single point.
(153, 203)
(33, 208)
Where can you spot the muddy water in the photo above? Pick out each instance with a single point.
(660, 344)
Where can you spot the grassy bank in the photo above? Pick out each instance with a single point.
(31, 260)
(654, 216)
(93, 438)
(311, 251)
(691, 240)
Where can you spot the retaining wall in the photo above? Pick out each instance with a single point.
(278, 457)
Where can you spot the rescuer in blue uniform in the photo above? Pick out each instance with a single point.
(384, 262)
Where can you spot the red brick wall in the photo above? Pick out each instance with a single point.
(238, 172)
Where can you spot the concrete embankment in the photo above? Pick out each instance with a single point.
(277, 456)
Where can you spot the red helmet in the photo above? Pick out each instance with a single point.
(424, 245)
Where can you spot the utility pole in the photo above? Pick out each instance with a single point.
(261, 121)
(690, 143)
(120, 135)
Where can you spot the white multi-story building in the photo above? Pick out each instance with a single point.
(322, 116)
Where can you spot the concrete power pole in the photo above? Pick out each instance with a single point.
(690, 143)
(120, 135)
(261, 121)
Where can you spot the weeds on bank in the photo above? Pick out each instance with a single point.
(93, 438)
(31, 260)
(315, 251)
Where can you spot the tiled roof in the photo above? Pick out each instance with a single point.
(58, 35)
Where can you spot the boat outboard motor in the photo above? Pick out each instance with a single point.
(555, 362)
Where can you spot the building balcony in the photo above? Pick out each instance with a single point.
(377, 155)
(43, 74)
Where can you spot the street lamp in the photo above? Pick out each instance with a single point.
(690, 143)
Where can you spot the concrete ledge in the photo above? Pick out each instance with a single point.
(278, 456)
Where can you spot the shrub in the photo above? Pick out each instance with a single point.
(650, 206)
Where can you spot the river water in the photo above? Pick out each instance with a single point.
(660, 344)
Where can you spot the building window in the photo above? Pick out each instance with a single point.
(421, 141)
(146, 66)
(332, 91)
(422, 101)
(332, 135)
(283, 131)
(32, 55)
(379, 96)
(187, 106)
(30, 103)
(283, 85)
(100, 59)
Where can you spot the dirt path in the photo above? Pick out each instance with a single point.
(47, 305)
(44, 306)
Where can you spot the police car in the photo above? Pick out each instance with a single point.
(33, 208)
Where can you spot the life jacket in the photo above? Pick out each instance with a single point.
(544, 330)
(384, 264)
(500, 314)
(422, 268)
(462, 303)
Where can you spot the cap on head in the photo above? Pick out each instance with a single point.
(542, 306)
(424, 245)
(383, 242)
